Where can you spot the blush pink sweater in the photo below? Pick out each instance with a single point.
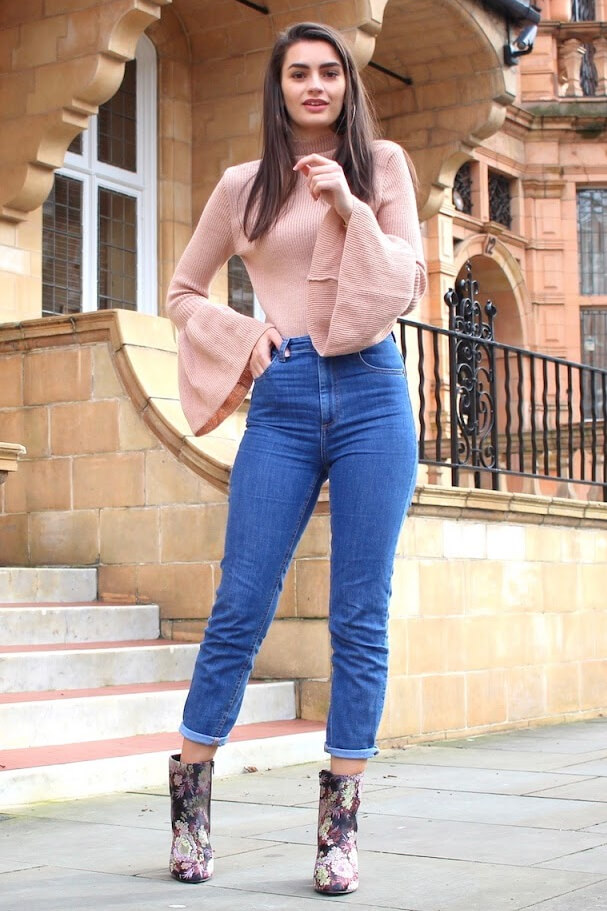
(342, 286)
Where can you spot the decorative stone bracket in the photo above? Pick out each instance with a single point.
(9, 455)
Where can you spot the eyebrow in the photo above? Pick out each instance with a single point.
(305, 66)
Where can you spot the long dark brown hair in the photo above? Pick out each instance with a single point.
(355, 130)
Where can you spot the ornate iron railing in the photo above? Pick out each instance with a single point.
(489, 412)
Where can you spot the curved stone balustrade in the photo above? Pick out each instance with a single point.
(144, 352)
(579, 44)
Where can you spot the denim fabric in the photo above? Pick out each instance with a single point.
(347, 419)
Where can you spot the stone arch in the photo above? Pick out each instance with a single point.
(453, 52)
(501, 280)
(52, 101)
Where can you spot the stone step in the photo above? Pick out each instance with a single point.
(51, 623)
(47, 583)
(38, 719)
(94, 664)
(134, 763)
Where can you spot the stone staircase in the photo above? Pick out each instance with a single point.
(90, 696)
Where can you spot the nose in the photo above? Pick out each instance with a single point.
(315, 83)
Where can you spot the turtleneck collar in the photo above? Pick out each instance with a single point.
(324, 144)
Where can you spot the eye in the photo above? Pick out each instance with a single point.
(298, 75)
(333, 74)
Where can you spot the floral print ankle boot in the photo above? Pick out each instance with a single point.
(190, 788)
(336, 867)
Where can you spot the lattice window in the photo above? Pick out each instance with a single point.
(117, 250)
(62, 248)
(594, 337)
(583, 10)
(592, 240)
(113, 164)
(594, 353)
(241, 296)
(117, 124)
(462, 189)
(500, 199)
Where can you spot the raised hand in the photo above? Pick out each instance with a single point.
(326, 180)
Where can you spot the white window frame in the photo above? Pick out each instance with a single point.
(141, 184)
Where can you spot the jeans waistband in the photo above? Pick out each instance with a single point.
(299, 343)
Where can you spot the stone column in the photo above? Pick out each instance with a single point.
(600, 61)
(570, 60)
(560, 10)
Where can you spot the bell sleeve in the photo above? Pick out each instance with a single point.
(214, 341)
(366, 274)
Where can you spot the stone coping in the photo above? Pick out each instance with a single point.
(469, 503)
(144, 351)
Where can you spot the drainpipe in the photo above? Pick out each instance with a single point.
(516, 10)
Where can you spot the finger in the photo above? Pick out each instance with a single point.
(308, 160)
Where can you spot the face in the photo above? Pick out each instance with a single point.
(313, 85)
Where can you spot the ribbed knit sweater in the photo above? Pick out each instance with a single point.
(344, 286)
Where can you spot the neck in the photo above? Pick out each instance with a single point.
(321, 142)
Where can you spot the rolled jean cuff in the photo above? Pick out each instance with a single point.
(351, 754)
(201, 738)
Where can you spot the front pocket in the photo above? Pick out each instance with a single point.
(383, 358)
(269, 367)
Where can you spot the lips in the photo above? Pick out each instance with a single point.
(314, 104)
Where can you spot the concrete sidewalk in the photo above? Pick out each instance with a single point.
(505, 821)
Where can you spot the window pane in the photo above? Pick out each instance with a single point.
(462, 189)
(117, 124)
(592, 240)
(240, 290)
(594, 353)
(62, 248)
(75, 145)
(583, 10)
(499, 199)
(117, 250)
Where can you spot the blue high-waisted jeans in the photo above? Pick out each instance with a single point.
(347, 419)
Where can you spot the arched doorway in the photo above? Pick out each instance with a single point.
(507, 398)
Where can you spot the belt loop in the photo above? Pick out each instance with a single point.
(282, 351)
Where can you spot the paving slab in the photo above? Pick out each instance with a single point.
(595, 748)
(460, 755)
(591, 898)
(481, 842)
(510, 823)
(152, 811)
(587, 789)
(594, 767)
(492, 781)
(409, 883)
(544, 813)
(97, 848)
(593, 860)
(54, 889)
(140, 811)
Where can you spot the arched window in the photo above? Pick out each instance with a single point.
(99, 222)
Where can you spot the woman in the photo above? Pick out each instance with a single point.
(326, 224)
